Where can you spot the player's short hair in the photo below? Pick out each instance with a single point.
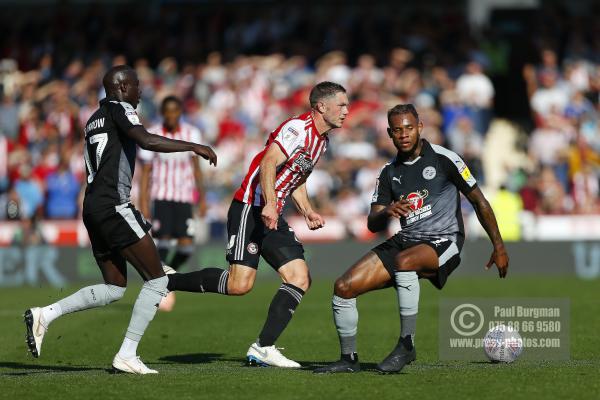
(114, 75)
(324, 90)
(170, 99)
(402, 109)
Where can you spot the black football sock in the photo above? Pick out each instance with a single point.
(281, 310)
(213, 280)
(180, 257)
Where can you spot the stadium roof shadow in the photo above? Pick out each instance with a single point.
(30, 369)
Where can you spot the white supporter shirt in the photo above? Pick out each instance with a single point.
(172, 176)
(475, 89)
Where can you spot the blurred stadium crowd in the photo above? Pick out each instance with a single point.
(50, 86)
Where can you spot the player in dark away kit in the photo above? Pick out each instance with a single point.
(118, 232)
(421, 187)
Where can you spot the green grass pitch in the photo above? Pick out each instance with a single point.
(199, 348)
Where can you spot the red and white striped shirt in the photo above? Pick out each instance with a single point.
(300, 141)
(173, 173)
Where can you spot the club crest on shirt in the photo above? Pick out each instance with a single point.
(429, 173)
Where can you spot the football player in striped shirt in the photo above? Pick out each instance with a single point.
(255, 225)
(167, 188)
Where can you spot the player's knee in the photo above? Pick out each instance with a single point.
(158, 285)
(405, 263)
(343, 289)
(301, 281)
(238, 288)
(114, 293)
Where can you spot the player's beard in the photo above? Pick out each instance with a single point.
(411, 151)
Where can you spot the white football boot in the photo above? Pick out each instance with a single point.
(268, 356)
(133, 366)
(36, 329)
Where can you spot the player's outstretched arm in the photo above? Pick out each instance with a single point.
(161, 144)
(486, 217)
(313, 219)
(380, 214)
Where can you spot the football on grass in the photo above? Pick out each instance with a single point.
(502, 344)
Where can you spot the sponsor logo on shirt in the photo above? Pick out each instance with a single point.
(230, 244)
(416, 198)
(420, 210)
(304, 163)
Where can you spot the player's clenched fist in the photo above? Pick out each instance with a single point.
(314, 220)
(270, 216)
(207, 153)
(398, 209)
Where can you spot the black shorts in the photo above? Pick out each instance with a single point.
(448, 255)
(113, 229)
(249, 238)
(172, 219)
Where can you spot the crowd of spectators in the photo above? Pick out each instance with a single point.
(237, 100)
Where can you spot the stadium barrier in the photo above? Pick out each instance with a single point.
(60, 266)
(534, 228)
